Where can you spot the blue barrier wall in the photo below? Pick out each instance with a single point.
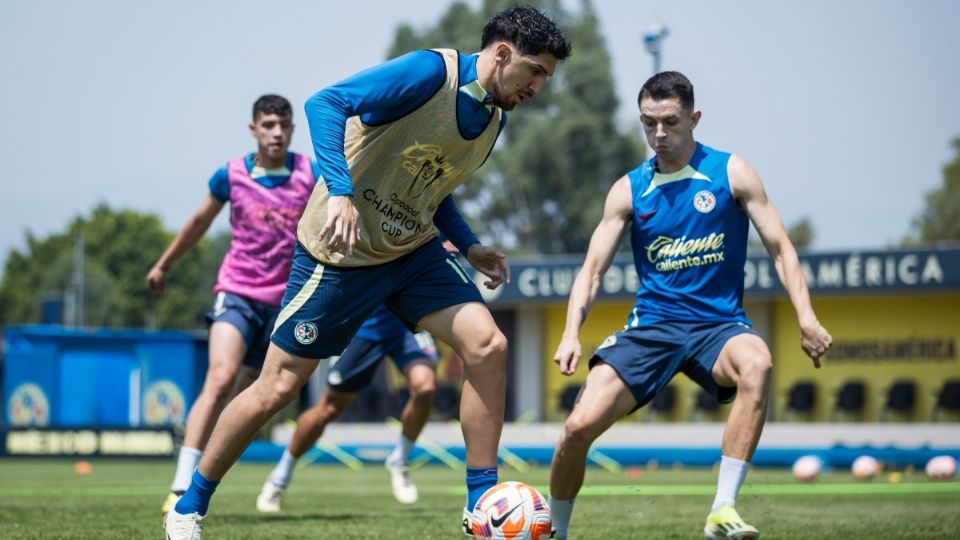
(65, 378)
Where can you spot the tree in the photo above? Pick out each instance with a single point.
(801, 235)
(119, 247)
(940, 220)
(542, 189)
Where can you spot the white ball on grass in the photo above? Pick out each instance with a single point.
(941, 468)
(807, 468)
(865, 467)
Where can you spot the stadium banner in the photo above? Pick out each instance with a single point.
(879, 340)
(550, 279)
(34, 442)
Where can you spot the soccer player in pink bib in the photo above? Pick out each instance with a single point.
(267, 191)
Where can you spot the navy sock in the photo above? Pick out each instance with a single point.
(197, 496)
(479, 480)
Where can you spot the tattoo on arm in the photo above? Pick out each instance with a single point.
(583, 315)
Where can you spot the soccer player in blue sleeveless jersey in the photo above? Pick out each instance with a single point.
(392, 143)
(688, 211)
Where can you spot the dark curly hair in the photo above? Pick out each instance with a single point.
(272, 104)
(529, 30)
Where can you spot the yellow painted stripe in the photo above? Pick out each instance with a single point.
(301, 298)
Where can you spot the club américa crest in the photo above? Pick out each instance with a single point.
(609, 342)
(164, 404)
(305, 332)
(28, 406)
(704, 201)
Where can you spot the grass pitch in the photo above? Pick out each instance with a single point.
(121, 500)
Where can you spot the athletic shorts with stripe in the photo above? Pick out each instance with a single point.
(253, 319)
(325, 305)
(647, 357)
(354, 369)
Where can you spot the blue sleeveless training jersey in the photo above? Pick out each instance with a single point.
(689, 239)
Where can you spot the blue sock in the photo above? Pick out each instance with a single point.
(479, 480)
(197, 496)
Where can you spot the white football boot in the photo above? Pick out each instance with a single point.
(472, 527)
(183, 527)
(404, 489)
(270, 497)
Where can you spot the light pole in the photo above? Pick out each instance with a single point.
(652, 41)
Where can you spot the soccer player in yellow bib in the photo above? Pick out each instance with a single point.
(392, 143)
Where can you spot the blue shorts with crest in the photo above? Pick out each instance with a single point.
(253, 319)
(647, 357)
(325, 305)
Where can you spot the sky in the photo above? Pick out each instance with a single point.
(846, 109)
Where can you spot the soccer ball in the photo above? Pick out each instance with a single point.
(512, 510)
(941, 468)
(807, 468)
(865, 468)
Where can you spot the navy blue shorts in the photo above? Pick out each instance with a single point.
(253, 319)
(355, 368)
(325, 305)
(647, 357)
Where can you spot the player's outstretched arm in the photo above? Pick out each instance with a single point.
(603, 246)
(192, 231)
(748, 189)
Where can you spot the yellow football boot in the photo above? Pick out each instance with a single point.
(726, 523)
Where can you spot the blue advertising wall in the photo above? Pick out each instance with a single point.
(57, 377)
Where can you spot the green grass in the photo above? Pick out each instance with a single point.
(121, 499)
